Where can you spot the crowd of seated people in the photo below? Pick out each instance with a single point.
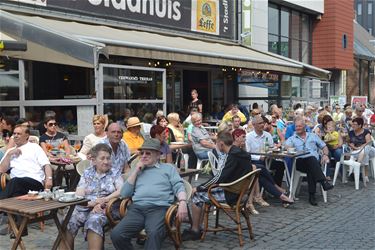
(111, 145)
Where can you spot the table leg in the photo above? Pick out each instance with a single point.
(291, 195)
(18, 233)
(190, 178)
(62, 228)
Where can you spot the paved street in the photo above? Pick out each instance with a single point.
(347, 221)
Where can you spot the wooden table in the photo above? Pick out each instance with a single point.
(189, 173)
(282, 155)
(30, 211)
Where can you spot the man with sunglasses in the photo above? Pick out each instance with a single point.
(153, 187)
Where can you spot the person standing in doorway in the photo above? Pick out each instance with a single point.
(195, 102)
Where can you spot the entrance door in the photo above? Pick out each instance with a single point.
(194, 79)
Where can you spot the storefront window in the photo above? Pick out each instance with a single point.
(46, 81)
(13, 112)
(174, 90)
(9, 86)
(116, 111)
(66, 117)
(217, 90)
(133, 84)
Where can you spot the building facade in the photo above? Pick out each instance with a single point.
(364, 10)
(87, 57)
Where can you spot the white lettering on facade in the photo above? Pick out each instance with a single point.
(163, 8)
(135, 78)
(226, 16)
(151, 7)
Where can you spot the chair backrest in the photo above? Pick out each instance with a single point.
(213, 162)
(82, 165)
(188, 189)
(242, 186)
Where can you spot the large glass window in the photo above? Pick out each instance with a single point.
(66, 116)
(9, 79)
(46, 81)
(293, 37)
(9, 86)
(116, 111)
(369, 8)
(139, 89)
(273, 20)
(359, 9)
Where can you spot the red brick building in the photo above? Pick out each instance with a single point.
(333, 42)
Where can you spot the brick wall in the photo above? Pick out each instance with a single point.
(327, 49)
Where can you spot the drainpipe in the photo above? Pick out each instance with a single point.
(368, 80)
(360, 77)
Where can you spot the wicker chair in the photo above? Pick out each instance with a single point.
(172, 224)
(242, 187)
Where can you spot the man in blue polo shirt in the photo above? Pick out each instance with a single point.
(309, 164)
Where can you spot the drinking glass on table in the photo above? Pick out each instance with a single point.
(77, 145)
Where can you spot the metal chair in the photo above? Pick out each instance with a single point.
(242, 187)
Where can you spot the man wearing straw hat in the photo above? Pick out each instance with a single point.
(153, 188)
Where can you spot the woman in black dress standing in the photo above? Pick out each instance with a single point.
(195, 103)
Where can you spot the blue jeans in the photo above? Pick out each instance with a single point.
(202, 155)
(336, 154)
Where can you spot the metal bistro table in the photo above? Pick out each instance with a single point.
(282, 155)
(30, 211)
(71, 176)
(188, 173)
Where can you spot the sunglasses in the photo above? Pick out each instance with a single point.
(148, 153)
(52, 124)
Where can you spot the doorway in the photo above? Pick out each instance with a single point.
(195, 79)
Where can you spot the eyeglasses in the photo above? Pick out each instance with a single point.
(52, 124)
(148, 153)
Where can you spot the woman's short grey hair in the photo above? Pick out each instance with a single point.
(299, 118)
(196, 116)
(94, 151)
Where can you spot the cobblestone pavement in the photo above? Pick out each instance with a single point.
(347, 221)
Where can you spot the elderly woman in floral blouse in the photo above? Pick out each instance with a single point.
(98, 185)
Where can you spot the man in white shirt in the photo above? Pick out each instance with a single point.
(29, 166)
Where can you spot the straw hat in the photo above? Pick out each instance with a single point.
(133, 122)
(151, 144)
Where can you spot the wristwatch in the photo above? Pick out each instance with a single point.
(49, 178)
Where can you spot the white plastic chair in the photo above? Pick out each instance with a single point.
(82, 165)
(199, 165)
(213, 162)
(351, 165)
(298, 175)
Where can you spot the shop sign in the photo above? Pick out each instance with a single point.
(134, 79)
(340, 100)
(213, 17)
(251, 76)
(358, 100)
